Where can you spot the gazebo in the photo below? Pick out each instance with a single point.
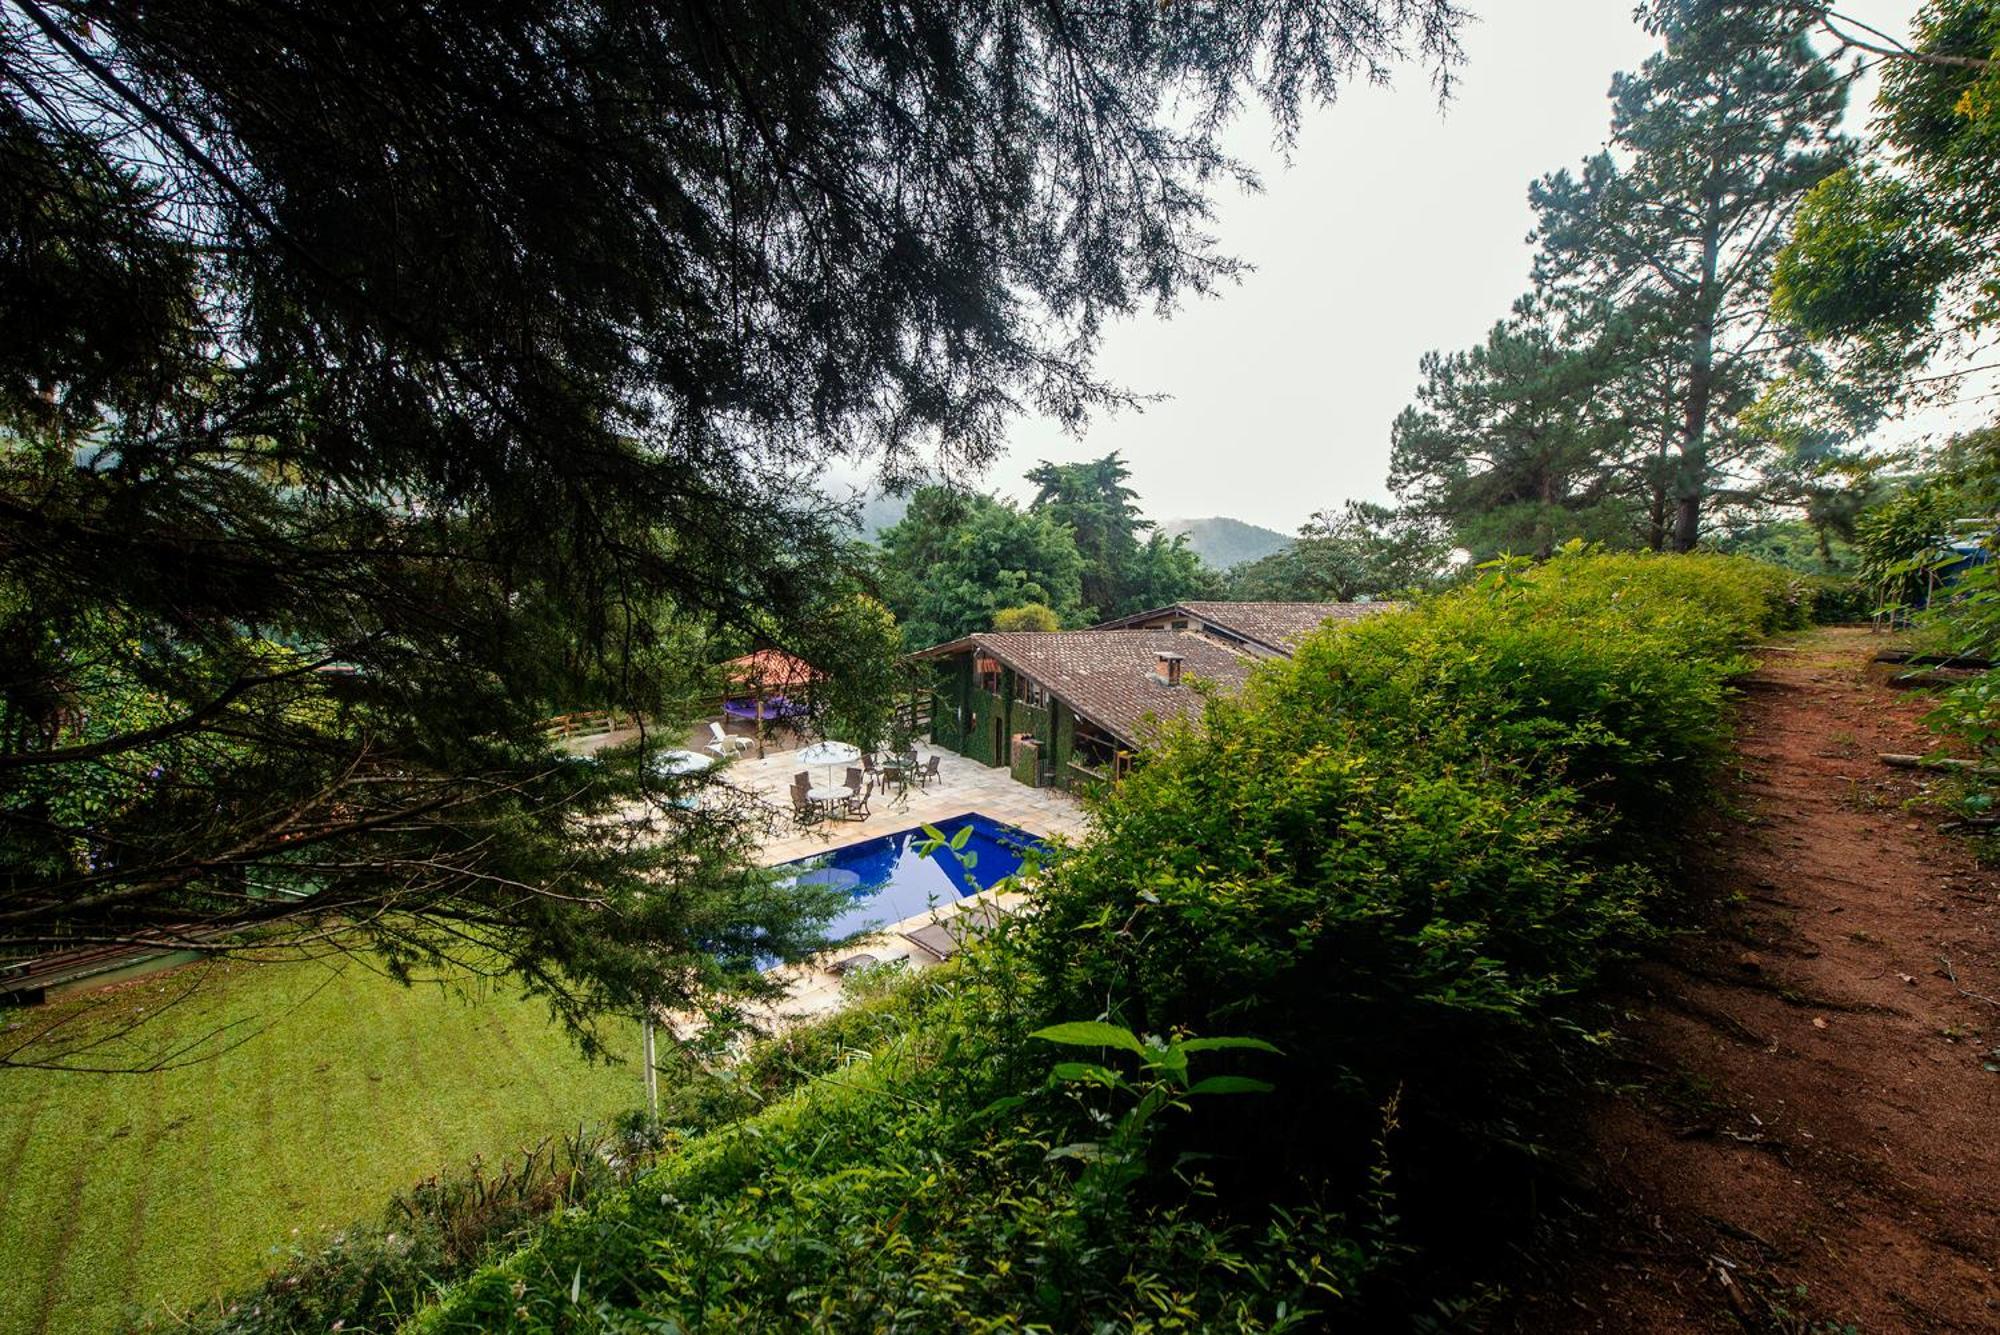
(759, 687)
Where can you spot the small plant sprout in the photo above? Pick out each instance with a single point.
(1164, 1080)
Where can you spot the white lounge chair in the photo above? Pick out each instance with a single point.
(725, 745)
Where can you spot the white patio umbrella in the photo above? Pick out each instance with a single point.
(830, 754)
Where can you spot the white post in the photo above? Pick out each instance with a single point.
(652, 1071)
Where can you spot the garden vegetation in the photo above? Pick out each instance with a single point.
(1284, 1034)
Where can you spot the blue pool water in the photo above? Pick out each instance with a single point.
(890, 880)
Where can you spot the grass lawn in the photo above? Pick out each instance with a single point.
(118, 1192)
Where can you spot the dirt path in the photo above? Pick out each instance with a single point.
(1811, 1138)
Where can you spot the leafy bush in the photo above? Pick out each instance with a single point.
(1840, 598)
(1406, 855)
(1028, 616)
(924, 1185)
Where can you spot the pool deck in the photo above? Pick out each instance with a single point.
(963, 785)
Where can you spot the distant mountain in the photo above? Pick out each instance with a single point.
(879, 512)
(1224, 542)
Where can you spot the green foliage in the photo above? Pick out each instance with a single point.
(1858, 259)
(1675, 227)
(1092, 501)
(1878, 249)
(1361, 550)
(1401, 860)
(1903, 540)
(1165, 1081)
(1029, 616)
(1517, 445)
(956, 560)
(856, 643)
(512, 340)
(921, 1183)
(1128, 564)
(1838, 599)
(1405, 855)
(1166, 570)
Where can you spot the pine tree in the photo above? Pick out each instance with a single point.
(1714, 143)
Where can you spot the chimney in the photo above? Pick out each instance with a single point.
(1168, 671)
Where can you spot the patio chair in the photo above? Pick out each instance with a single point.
(928, 775)
(725, 745)
(857, 805)
(868, 761)
(935, 940)
(804, 809)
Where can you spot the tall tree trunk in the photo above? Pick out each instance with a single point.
(1545, 535)
(1691, 477)
(1657, 484)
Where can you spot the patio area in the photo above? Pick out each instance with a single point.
(962, 786)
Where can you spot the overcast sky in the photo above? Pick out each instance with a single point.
(1398, 228)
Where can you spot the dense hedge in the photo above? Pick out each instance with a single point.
(1404, 858)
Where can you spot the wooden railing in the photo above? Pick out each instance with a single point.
(588, 723)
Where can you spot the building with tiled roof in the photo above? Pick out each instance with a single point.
(1074, 706)
(1265, 629)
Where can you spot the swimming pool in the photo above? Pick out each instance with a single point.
(891, 880)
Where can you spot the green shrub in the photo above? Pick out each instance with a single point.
(914, 1186)
(1838, 599)
(1406, 855)
(1028, 616)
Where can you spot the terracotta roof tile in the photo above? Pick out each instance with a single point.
(1280, 625)
(1108, 676)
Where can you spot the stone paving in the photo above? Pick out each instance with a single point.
(962, 786)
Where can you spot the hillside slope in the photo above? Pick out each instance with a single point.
(1223, 542)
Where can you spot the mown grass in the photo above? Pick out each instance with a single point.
(122, 1192)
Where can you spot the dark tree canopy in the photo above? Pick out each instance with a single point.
(375, 382)
(1128, 565)
(957, 560)
(1516, 444)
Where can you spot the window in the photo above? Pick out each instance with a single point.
(986, 673)
(1029, 691)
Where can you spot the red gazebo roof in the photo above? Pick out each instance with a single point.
(769, 669)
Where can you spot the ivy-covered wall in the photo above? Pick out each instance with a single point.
(1062, 741)
(947, 695)
(1033, 722)
(1027, 766)
(978, 741)
(963, 722)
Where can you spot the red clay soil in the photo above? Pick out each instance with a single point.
(1811, 1137)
